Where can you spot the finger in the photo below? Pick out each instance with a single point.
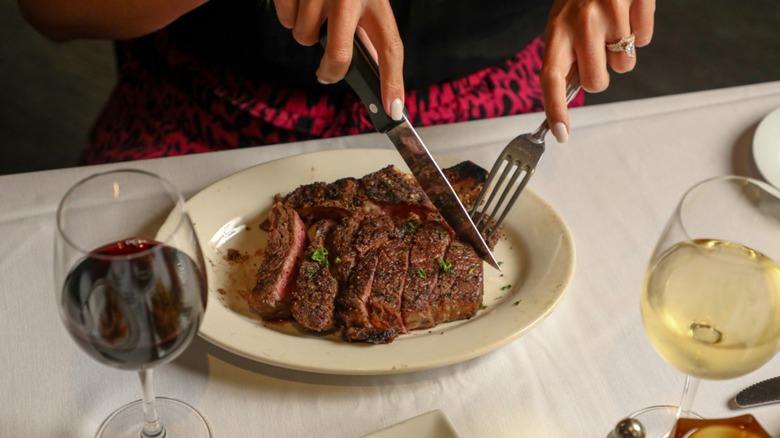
(642, 21)
(308, 21)
(592, 59)
(622, 61)
(381, 31)
(342, 23)
(286, 10)
(559, 57)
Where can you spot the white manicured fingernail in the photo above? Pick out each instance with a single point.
(396, 110)
(560, 132)
(323, 82)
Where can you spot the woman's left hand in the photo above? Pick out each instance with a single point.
(576, 38)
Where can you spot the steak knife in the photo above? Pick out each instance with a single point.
(363, 77)
(762, 393)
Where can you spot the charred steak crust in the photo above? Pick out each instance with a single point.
(362, 315)
(459, 288)
(314, 297)
(381, 261)
(467, 179)
(428, 246)
(276, 277)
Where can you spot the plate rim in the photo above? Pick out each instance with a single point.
(490, 344)
(763, 150)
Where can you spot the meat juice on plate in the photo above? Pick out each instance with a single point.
(134, 303)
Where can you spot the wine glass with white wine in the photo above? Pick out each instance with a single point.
(711, 296)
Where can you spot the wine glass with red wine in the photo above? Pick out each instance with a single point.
(131, 288)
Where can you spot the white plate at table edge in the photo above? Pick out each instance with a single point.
(433, 424)
(766, 147)
(226, 215)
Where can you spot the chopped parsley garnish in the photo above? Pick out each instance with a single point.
(320, 255)
(445, 266)
(472, 269)
(410, 227)
(507, 287)
(482, 306)
(421, 273)
(309, 271)
(337, 261)
(518, 302)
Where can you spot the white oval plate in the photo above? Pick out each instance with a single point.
(537, 262)
(766, 147)
(432, 424)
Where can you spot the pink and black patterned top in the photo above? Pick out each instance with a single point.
(228, 75)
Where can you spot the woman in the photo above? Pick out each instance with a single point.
(198, 76)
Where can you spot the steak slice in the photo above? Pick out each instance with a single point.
(429, 244)
(384, 302)
(275, 280)
(342, 250)
(467, 179)
(459, 288)
(315, 293)
(319, 200)
(370, 306)
(352, 312)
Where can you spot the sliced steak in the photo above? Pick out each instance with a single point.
(319, 200)
(390, 185)
(275, 280)
(351, 310)
(467, 179)
(429, 244)
(315, 294)
(384, 302)
(373, 232)
(370, 305)
(340, 247)
(459, 288)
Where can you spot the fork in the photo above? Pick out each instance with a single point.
(519, 160)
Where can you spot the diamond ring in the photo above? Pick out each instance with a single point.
(624, 45)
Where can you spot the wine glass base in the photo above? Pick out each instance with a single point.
(657, 421)
(178, 418)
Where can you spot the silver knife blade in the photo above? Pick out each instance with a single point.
(363, 77)
(761, 393)
(437, 187)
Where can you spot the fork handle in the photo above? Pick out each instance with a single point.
(573, 87)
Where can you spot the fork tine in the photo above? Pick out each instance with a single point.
(507, 162)
(526, 171)
(491, 176)
(522, 154)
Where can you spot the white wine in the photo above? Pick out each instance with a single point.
(712, 308)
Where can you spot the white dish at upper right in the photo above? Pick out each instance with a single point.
(766, 147)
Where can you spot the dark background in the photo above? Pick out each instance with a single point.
(50, 93)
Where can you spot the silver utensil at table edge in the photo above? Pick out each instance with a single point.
(363, 77)
(761, 393)
(518, 161)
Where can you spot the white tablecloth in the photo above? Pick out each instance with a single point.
(585, 367)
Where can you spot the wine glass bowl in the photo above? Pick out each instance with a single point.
(710, 300)
(132, 288)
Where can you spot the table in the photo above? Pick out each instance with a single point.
(576, 374)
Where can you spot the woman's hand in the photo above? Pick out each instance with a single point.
(576, 38)
(372, 20)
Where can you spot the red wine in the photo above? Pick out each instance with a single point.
(134, 304)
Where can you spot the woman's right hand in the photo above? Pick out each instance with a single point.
(372, 20)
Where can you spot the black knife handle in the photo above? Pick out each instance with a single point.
(363, 77)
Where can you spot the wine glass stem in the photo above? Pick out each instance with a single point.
(689, 392)
(152, 427)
